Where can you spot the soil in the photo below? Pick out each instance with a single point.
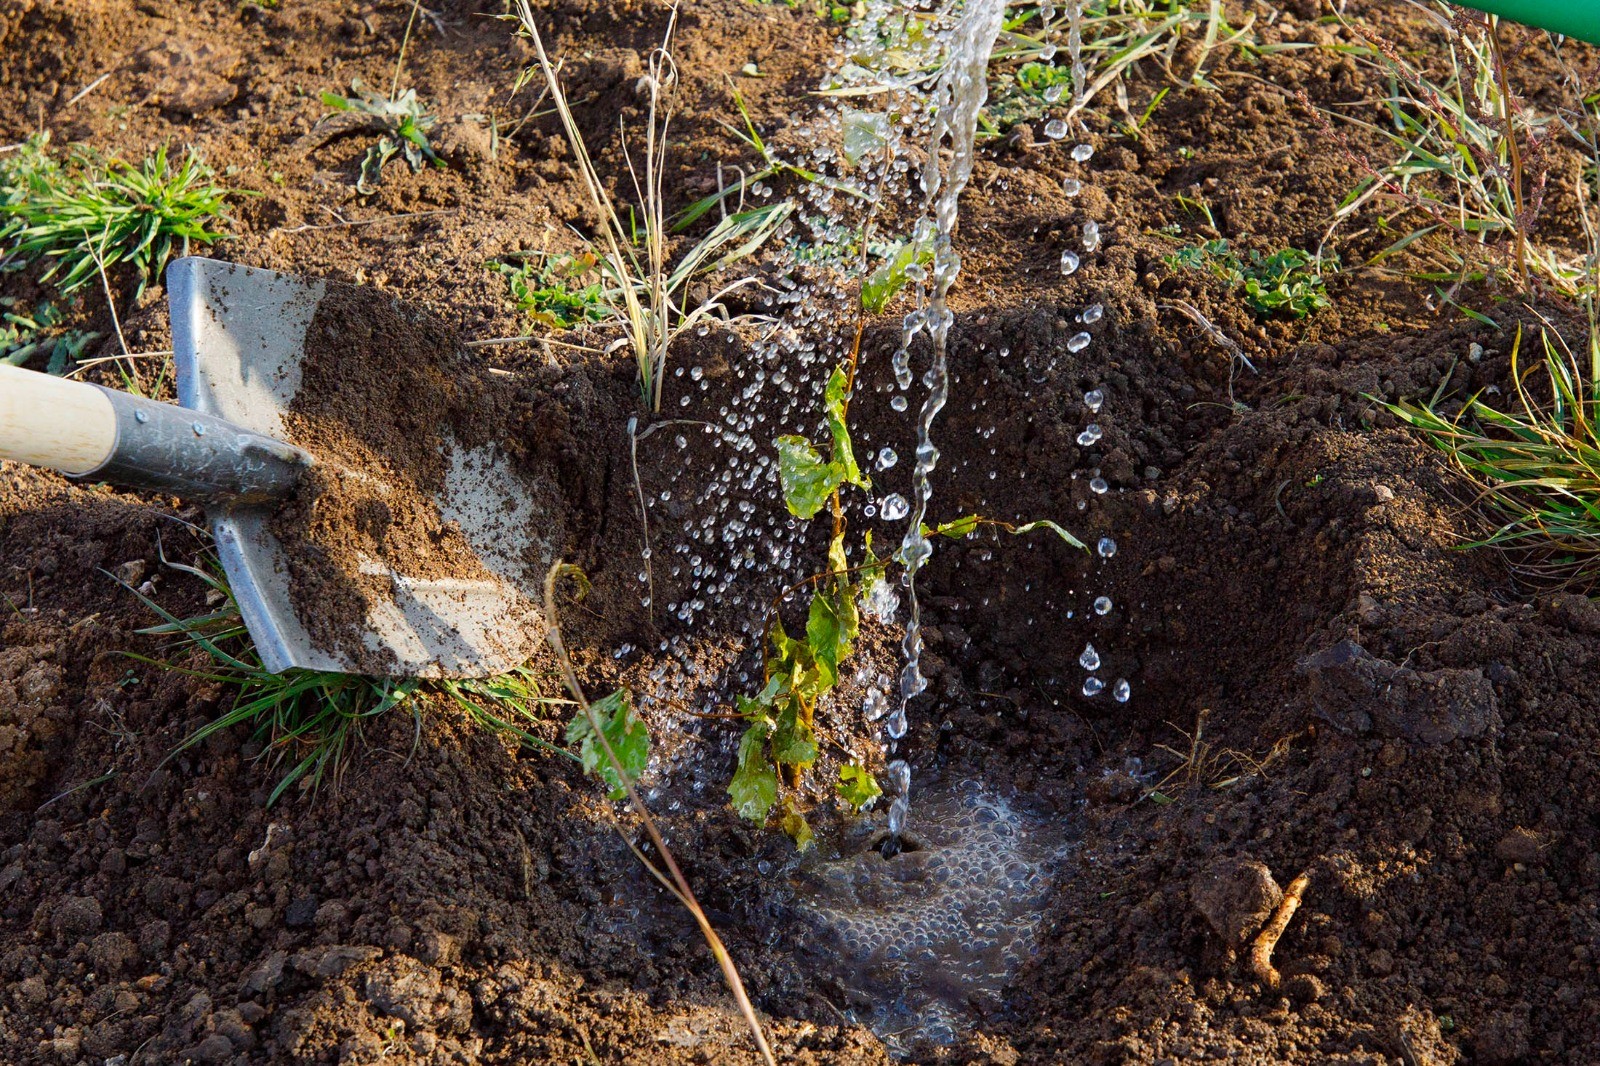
(1323, 681)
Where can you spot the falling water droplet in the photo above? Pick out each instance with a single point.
(897, 815)
(1093, 686)
(1092, 314)
(1078, 342)
(1055, 129)
(887, 458)
(1098, 486)
(896, 727)
(1069, 262)
(1081, 152)
(1072, 186)
(1121, 690)
(1093, 399)
(1102, 605)
(898, 402)
(1090, 659)
(894, 507)
(1091, 236)
(1090, 434)
(1107, 547)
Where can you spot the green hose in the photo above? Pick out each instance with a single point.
(1574, 18)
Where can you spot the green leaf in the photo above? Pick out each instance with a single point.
(623, 730)
(794, 742)
(955, 529)
(880, 286)
(794, 823)
(754, 788)
(807, 480)
(864, 131)
(1045, 523)
(831, 629)
(335, 101)
(844, 456)
(857, 786)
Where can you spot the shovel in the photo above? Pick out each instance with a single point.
(238, 337)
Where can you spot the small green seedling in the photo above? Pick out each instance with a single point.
(402, 124)
(25, 334)
(1040, 78)
(1284, 282)
(559, 291)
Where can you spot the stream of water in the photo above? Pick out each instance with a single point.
(958, 98)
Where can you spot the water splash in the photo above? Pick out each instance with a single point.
(963, 87)
(930, 936)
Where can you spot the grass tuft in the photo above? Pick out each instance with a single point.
(1538, 464)
(307, 720)
(76, 214)
(646, 294)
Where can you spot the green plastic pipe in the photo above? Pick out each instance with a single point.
(1574, 18)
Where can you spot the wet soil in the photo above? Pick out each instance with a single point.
(1323, 681)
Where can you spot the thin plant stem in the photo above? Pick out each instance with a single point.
(679, 883)
(400, 60)
(1515, 149)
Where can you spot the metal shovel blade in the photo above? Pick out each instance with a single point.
(238, 337)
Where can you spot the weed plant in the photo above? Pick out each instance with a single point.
(1121, 39)
(91, 211)
(1538, 464)
(646, 295)
(556, 290)
(1288, 281)
(402, 123)
(306, 720)
(1470, 170)
(40, 330)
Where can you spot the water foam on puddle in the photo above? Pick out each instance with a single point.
(926, 940)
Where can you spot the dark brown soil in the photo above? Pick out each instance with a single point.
(1323, 681)
(377, 392)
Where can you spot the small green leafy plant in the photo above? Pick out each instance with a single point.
(1040, 78)
(1285, 282)
(629, 740)
(559, 291)
(779, 744)
(39, 331)
(89, 211)
(402, 123)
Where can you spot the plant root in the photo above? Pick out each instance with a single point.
(1267, 939)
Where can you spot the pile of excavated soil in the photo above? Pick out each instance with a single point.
(1323, 682)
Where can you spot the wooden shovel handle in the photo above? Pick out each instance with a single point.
(48, 421)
